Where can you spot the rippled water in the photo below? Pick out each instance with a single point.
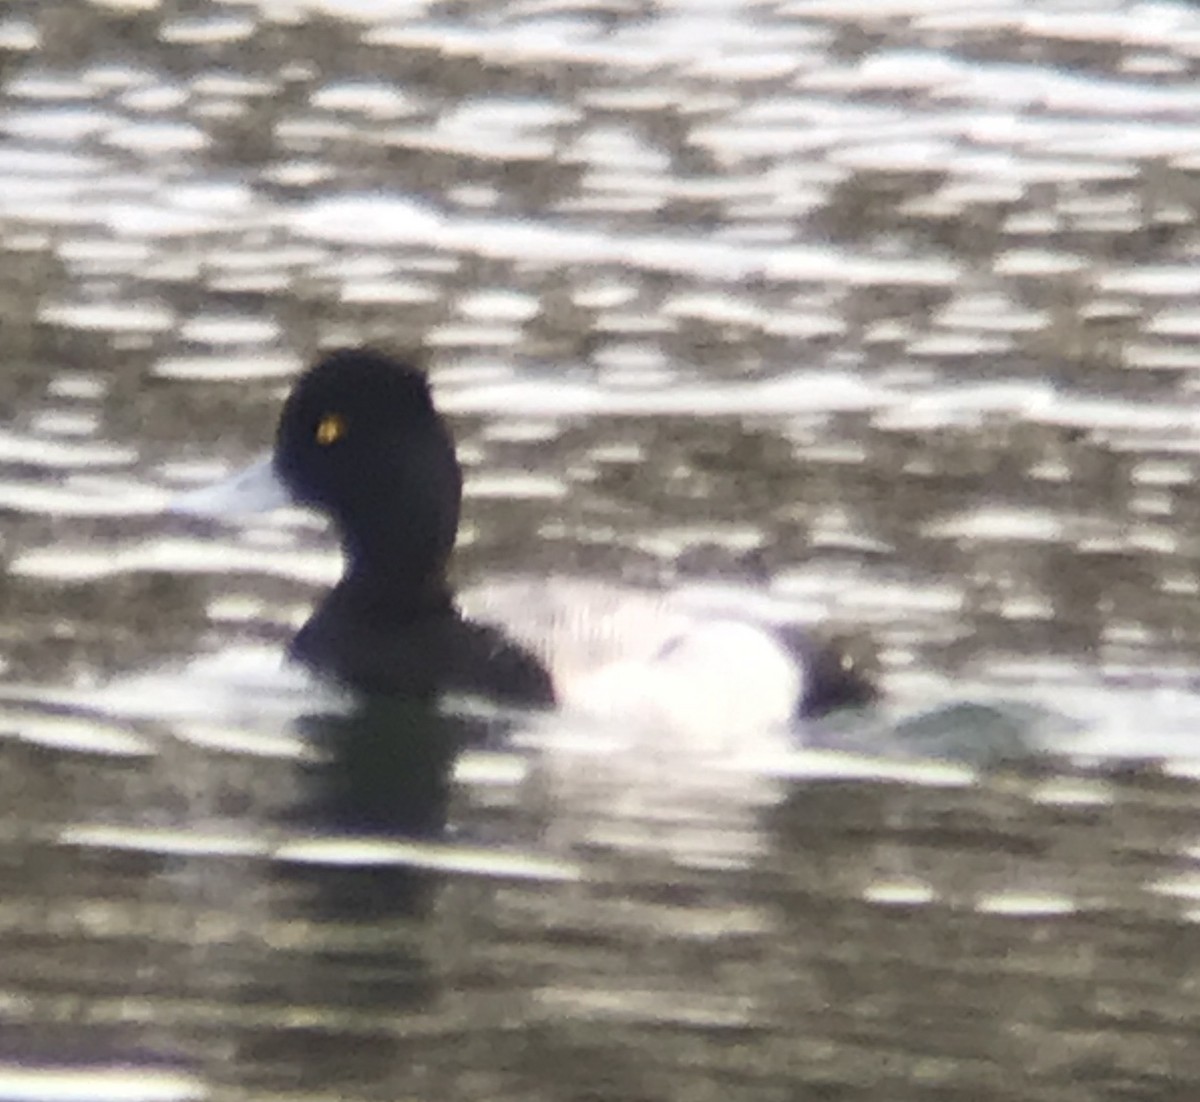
(884, 311)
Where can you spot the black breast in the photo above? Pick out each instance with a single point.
(425, 657)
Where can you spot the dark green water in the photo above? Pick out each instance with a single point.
(884, 311)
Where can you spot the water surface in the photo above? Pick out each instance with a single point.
(885, 312)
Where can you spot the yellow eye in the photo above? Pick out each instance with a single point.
(330, 429)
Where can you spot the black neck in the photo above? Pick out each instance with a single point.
(395, 585)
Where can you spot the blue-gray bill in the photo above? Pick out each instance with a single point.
(254, 489)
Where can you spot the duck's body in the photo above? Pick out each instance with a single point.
(360, 441)
(603, 642)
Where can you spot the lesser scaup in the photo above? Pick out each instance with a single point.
(359, 440)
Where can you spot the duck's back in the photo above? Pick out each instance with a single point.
(575, 627)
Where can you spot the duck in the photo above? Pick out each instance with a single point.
(360, 441)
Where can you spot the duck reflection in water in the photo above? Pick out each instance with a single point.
(386, 771)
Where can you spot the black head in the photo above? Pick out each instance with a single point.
(359, 440)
